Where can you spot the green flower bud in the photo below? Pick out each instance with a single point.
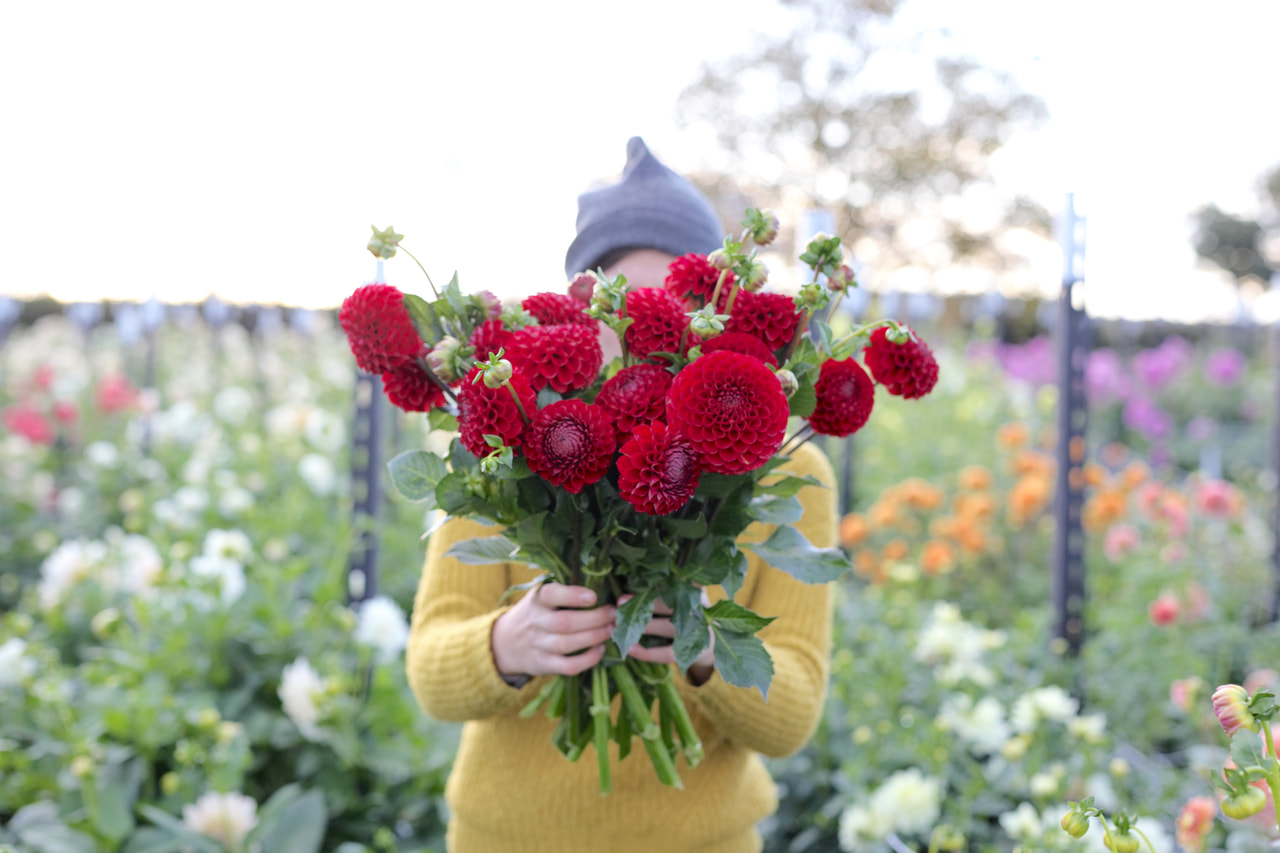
(755, 278)
(447, 359)
(489, 303)
(499, 374)
(104, 623)
(383, 244)
(1244, 804)
(170, 784)
(705, 325)
(841, 279)
(1121, 842)
(207, 719)
(763, 225)
(1075, 824)
(82, 767)
(228, 731)
(787, 379)
(720, 259)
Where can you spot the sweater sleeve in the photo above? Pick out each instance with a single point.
(798, 640)
(449, 659)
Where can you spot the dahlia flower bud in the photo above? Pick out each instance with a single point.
(720, 259)
(82, 767)
(582, 287)
(1244, 804)
(842, 279)
(755, 277)
(498, 374)
(515, 317)
(488, 301)
(812, 297)
(896, 333)
(705, 323)
(1075, 824)
(447, 359)
(763, 225)
(104, 623)
(823, 253)
(947, 838)
(787, 379)
(383, 244)
(1231, 706)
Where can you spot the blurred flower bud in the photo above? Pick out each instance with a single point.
(498, 374)
(207, 719)
(446, 359)
(104, 622)
(948, 838)
(1231, 706)
(841, 279)
(489, 303)
(1119, 768)
(1014, 748)
(788, 381)
(170, 783)
(583, 287)
(763, 225)
(756, 277)
(897, 333)
(228, 731)
(82, 767)
(383, 244)
(720, 259)
(812, 297)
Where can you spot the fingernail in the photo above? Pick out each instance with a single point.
(587, 597)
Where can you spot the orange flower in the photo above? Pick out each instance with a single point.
(974, 478)
(920, 495)
(885, 512)
(937, 557)
(1095, 475)
(1028, 497)
(853, 529)
(1135, 474)
(865, 563)
(972, 539)
(895, 549)
(946, 526)
(1012, 436)
(976, 506)
(1103, 509)
(1033, 462)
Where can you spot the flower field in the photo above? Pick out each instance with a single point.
(180, 669)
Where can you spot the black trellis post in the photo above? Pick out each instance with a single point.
(1072, 347)
(1275, 467)
(366, 473)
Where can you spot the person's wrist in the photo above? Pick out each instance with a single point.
(497, 647)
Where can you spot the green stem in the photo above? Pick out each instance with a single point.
(421, 267)
(859, 331)
(573, 713)
(1273, 778)
(520, 406)
(439, 383)
(544, 695)
(1150, 846)
(600, 724)
(669, 698)
(642, 722)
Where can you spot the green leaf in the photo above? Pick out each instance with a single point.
(736, 618)
(633, 615)
(299, 828)
(424, 318)
(823, 331)
(712, 485)
(117, 789)
(804, 400)
(484, 551)
(786, 486)
(692, 634)
(440, 419)
(55, 838)
(741, 659)
(1247, 749)
(454, 298)
(548, 395)
(736, 576)
(684, 528)
(166, 821)
(773, 509)
(415, 475)
(148, 839)
(787, 550)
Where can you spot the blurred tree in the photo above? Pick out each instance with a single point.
(883, 126)
(1246, 248)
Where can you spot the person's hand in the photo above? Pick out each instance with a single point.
(661, 626)
(546, 630)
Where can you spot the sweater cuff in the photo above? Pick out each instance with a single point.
(496, 693)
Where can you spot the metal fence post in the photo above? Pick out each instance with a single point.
(366, 470)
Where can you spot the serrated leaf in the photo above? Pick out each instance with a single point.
(741, 660)
(300, 828)
(633, 615)
(1247, 749)
(424, 318)
(787, 550)
(692, 633)
(775, 509)
(454, 298)
(415, 475)
(736, 576)
(734, 617)
(786, 486)
(484, 551)
(822, 332)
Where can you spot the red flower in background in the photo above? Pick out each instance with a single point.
(740, 342)
(411, 388)
(115, 393)
(557, 309)
(771, 317)
(582, 288)
(845, 397)
(25, 420)
(636, 395)
(489, 337)
(657, 469)
(565, 357)
(908, 370)
(659, 323)
(492, 411)
(570, 443)
(693, 278)
(379, 331)
(732, 410)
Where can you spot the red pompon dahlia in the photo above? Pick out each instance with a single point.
(570, 443)
(489, 337)
(409, 387)
(657, 469)
(740, 342)
(379, 331)
(771, 317)
(492, 411)
(731, 408)
(845, 397)
(659, 323)
(567, 358)
(693, 278)
(557, 309)
(636, 395)
(908, 370)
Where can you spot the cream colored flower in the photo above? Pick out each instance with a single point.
(300, 685)
(381, 625)
(227, 818)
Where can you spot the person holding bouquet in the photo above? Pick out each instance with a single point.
(479, 655)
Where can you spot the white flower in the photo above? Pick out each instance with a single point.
(102, 454)
(954, 647)
(191, 500)
(299, 687)
(1089, 728)
(232, 404)
(71, 563)
(15, 666)
(224, 817)
(1023, 823)
(325, 431)
(910, 801)
(860, 828)
(235, 502)
(70, 501)
(233, 544)
(381, 625)
(1043, 785)
(138, 563)
(1050, 703)
(228, 572)
(981, 726)
(318, 473)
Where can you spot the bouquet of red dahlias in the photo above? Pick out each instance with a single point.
(636, 478)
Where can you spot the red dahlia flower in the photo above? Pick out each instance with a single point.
(771, 317)
(409, 387)
(556, 309)
(489, 337)
(693, 278)
(565, 357)
(379, 331)
(845, 397)
(636, 395)
(657, 469)
(908, 370)
(492, 411)
(659, 323)
(570, 443)
(740, 342)
(731, 409)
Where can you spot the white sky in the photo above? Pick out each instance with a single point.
(177, 149)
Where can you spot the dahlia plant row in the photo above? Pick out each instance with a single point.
(636, 476)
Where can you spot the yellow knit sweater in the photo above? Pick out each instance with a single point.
(511, 790)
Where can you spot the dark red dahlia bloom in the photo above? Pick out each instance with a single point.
(636, 395)
(692, 278)
(556, 309)
(908, 369)
(657, 469)
(567, 358)
(740, 342)
(771, 317)
(492, 411)
(659, 323)
(845, 397)
(731, 408)
(379, 331)
(409, 387)
(489, 337)
(570, 443)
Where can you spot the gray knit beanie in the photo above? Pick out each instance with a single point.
(650, 208)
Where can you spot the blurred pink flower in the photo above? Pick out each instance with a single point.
(1104, 377)
(1218, 499)
(1144, 416)
(1185, 693)
(65, 411)
(1195, 822)
(1147, 498)
(116, 394)
(1157, 367)
(25, 420)
(1262, 678)
(1164, 610)
(1225, 366)
(1173, 552)
(1121, 540)
(1198, 602)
